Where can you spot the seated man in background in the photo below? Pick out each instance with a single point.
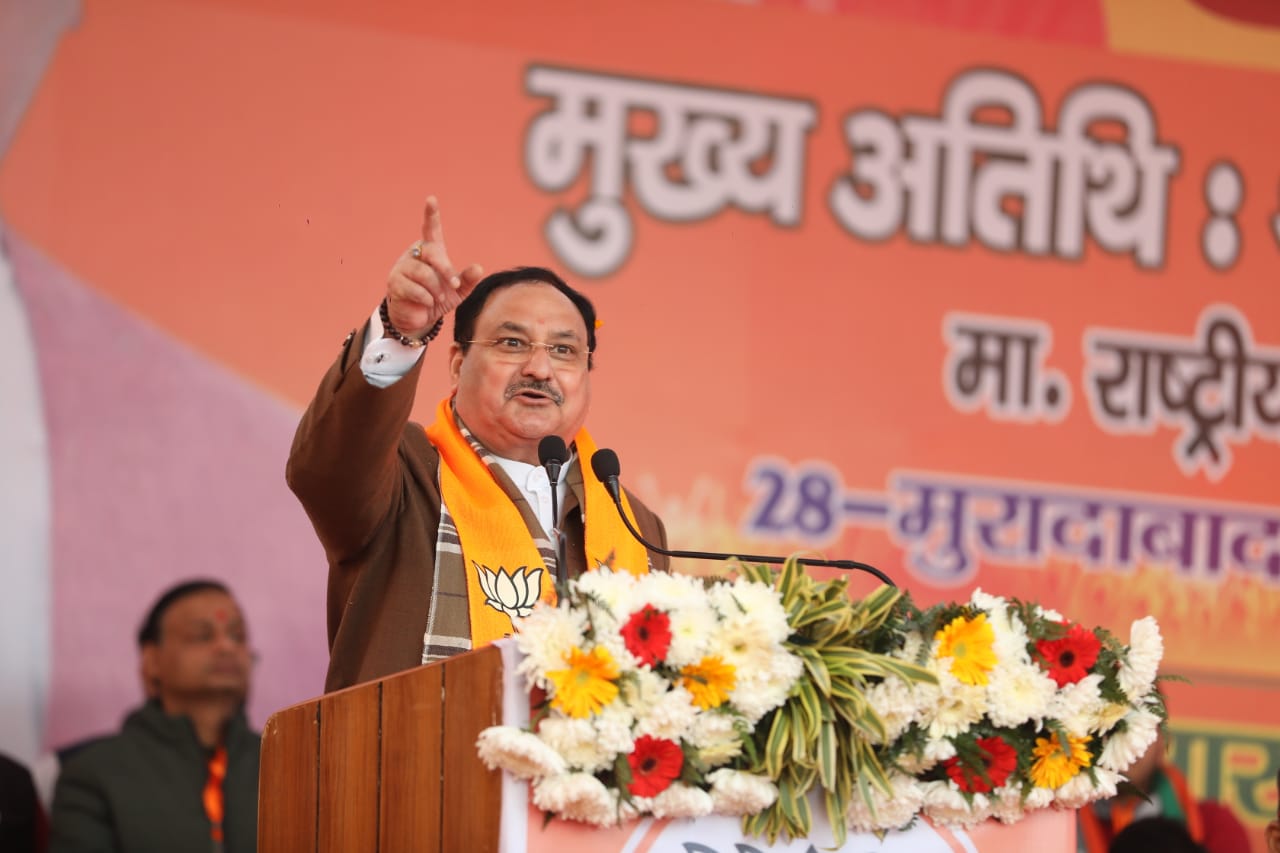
(22, 824)
(1211, 825)
(183, 772)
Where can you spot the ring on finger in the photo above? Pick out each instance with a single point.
(416, 251)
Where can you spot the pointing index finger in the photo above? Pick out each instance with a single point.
(432, 229)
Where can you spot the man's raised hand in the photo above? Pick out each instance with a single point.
(423, 286)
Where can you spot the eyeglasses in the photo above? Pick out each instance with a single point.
(518, 350)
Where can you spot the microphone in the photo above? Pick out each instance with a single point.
(607, 469)
(552, 453)
(605, 465)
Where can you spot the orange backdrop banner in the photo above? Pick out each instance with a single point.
(980, 308)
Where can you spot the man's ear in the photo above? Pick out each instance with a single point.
(455, 364)
(149, 668)
(1273, 836)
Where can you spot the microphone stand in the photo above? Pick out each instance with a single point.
(610, 481)
(562, 571)
(552, 453)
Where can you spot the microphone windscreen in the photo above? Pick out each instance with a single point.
(605, 465)
(552, 449)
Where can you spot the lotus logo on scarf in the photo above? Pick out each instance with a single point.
(511, 592)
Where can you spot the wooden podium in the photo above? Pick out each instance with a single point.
(389, 765)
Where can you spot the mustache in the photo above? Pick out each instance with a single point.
(538, 385)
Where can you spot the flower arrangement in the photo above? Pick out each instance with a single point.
(1030, 710)
(653, 686)
(668, 695)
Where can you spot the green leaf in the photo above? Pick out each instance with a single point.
(836, 810)
(807, 699)
(775, 749)
(825, 610)
(790, 581)
(788, 801)
(827, 760)
(908, 672)
(817, 668)
(759, 573)
(805, 818)
(800, 741)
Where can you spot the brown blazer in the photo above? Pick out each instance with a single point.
(366, 475)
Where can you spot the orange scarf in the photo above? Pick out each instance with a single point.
(505, 572)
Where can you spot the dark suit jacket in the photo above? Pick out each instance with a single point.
(141, 791)
(366, 476)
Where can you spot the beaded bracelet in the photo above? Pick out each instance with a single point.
(392, 332)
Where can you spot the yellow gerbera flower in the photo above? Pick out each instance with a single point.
(709, 680)
(969, 643)
(1055, 766)
(587, 685)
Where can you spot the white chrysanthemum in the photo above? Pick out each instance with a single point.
(715, 737)
(1080, 790)
(671, 591)
(934, 751)
(613, 728)
(518, 752)
(757, 695)
(1010, 635)
(894, 702)
(939, 749)
(1018, 692)
(912, 647)
(680, 800)
(576, 796)
(926, 698)
(886, 812)
(944, 804)
(669, 717)
(545, 637)
(691, 629)
(1049, 614)
(1125, 747)
(990, 603)
(613, 597)
(736, 793)
(759, 604)
(1008, 806)
(1108, 715)
(959, 705)
(1078, 705)
(740, 641)
(757, 692)
(576, 742)
(642, 689)
(1146, 648)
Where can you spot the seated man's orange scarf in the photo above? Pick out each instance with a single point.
(494, 535)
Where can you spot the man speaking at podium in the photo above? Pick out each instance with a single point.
(436, 536)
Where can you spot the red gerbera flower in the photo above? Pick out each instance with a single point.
(655, 764)
(1069, 658)
(648, 635)
(999, 759)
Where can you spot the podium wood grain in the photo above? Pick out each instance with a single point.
(386, 766)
